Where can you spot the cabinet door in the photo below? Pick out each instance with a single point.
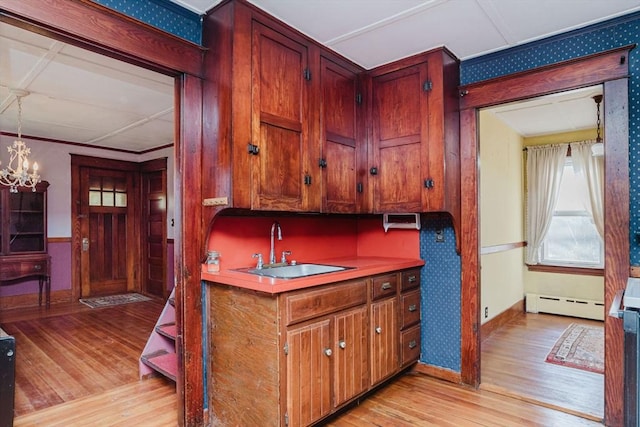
(384, 339)
(280, 167)
(308, 373)
(400, 150)
(351, 355)
(341, 150)
(27, 221)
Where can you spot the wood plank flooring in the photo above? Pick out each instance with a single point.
(417, 400)
(64, 355)
(513, 363)
(72, 352)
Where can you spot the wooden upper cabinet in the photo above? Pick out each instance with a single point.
(278, 107)
(414, 154)
(286, 129)
(280, 122)
(342, 148)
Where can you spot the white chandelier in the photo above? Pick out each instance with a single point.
(17, 174)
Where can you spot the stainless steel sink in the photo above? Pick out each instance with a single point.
(296, 271)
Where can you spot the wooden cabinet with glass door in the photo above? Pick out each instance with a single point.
(23, 237)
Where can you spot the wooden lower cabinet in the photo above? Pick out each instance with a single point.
(294, 358)
(384, 339)
(351, 356)
(308, 358)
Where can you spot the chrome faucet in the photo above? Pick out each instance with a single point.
(275, 226)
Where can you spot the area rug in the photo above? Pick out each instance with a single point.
(99, 302)
(581, 347)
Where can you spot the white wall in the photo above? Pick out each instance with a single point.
(501, 215)
(54, 160)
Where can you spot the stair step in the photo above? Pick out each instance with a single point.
(168, 330)
(163, 362)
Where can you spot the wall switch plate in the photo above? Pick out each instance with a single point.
(439, 235)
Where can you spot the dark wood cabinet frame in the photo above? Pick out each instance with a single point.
(89, 25)
(609, 69)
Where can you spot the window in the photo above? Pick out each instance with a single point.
(108, 191)
(572, 239)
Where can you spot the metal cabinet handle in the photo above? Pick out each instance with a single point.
(378, 330)
(411, 279)
(342, 344)
(386, 286)
(37, 267)
(412, 308)
(85, 244)
(412, 344)
(328, 352)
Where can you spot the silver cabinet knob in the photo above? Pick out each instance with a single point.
(378, 330)
(328, 351)
(342, 344)
(386, 286)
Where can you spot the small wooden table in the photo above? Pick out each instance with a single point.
(16, 267)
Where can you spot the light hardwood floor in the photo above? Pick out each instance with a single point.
(513, 363)
(78, 367)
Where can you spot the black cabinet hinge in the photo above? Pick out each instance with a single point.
(359, 98)
(307, 74)
(307, 180)
(359, 187)
(427, 86)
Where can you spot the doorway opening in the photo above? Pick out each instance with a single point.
(610, 69)
(515, 342)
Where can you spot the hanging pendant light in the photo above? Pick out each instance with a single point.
(597, 149)
(16, 173)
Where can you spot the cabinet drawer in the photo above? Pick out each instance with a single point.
(309, 304)
(410, 308)
(410, 279)
(383, 286)
(410, 345)
(16, 269)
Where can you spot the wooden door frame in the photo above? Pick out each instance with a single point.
(609, 69)
(91, 26)
(77, 163)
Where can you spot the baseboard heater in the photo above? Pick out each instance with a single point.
(566, 306)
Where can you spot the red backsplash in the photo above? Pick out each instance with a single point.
(309, 238)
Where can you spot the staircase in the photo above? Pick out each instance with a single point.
(159, 355)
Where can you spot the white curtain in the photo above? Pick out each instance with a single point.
(544, 174)
(591, 168)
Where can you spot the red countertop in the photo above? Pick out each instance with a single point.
(361, 266)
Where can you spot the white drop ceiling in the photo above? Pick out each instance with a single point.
(81, 97)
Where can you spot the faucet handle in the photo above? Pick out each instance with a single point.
(284, 256)
(260, 261)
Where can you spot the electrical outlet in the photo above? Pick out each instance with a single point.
(439, 235)
(486, 312)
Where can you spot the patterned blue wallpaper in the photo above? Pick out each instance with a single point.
(596, 38)
(161, 14)
(440, 293)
